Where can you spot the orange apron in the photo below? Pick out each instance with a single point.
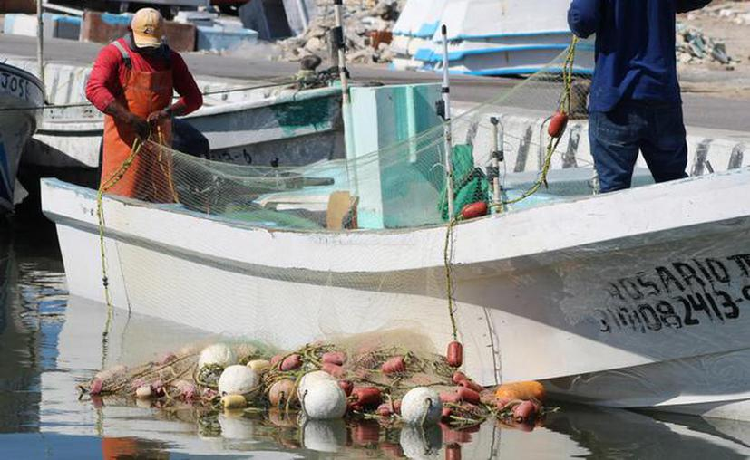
(149, 176)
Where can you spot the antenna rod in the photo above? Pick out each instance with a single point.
(340, 43)
(40, 39)
(447, 128)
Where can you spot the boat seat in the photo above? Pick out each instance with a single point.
(342, 211)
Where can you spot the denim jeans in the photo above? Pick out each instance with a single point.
(654, 128)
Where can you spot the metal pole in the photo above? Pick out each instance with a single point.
(447, 128)
(340, 43)
(40, 39)
(497, 155)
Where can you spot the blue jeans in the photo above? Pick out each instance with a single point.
(654, 128)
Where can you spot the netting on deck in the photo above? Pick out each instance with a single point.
(402, 184)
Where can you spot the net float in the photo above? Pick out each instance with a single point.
(281, 392)
(334, 370)
(457, 377)
(384, 410)
(347, 386)
(334, 357)
(453, 452)
(291, 363)
(471, 211)
(259, 365)
(452, 398)
(468, 395)
(524, 412)
(143, 392)
(557, 124)
(275, 360)
(219, 354)
(394, 365)
(366, 397)
(455, 354)
(238, 380)
(421, 406)
(96, 387)
(529, 389)
(324, 400)
(233, 402)
(308, 379)
(397, 406)
(472, 385)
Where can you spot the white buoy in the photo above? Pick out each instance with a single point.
(238, 380)
(143, 392)
(324, 435)
(421, 406)
(323, 400)
(309, 378)
(217, 355)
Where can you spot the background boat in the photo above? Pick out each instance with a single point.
(21, 97)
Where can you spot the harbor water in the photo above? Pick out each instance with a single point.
(51, 342)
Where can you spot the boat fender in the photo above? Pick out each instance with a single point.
(421, 406)
(217, 355)
(473, 210)
(334, 357)
(281, 392)
(233, 401)
(394, 365)
(291, 363)
(455, 354)
(557, 124)
(323, 400)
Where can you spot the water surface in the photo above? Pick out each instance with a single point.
(50, 342)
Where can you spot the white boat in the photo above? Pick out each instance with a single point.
(244, 123)
(632, 299)
(21, 96)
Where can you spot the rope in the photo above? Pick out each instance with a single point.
(565, 101)
(567, 75)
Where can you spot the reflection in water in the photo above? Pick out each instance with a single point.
(50, 342)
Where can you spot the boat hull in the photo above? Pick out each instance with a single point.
(588, 295)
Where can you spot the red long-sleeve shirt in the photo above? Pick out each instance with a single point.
(109, 76)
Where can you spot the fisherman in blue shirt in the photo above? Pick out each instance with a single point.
(635, 98)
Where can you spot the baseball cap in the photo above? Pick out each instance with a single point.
(148, 27)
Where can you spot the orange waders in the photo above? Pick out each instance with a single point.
(149, 176)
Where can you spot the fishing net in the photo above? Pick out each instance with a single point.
(392, 178)
(394, 172)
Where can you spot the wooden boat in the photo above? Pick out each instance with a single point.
(632, 299)
(21, 96)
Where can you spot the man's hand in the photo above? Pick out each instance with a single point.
(123, 115)
(159, 115)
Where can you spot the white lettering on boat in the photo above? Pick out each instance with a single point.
(16, 86)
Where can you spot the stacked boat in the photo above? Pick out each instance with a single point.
(486, 37)
(21, 97)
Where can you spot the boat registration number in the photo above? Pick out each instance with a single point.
(16, 86)
(678, 295)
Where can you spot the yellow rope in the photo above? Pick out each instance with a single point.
(565, 101)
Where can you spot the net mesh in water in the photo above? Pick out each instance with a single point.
(399, 186)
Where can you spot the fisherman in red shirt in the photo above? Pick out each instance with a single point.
(132, 83)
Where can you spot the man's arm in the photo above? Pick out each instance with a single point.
(191, 98)
(683, 6)
(583, 17)
(104, 76)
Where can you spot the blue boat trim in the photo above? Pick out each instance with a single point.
(427, 30)
(428, 55)
(518, 71)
